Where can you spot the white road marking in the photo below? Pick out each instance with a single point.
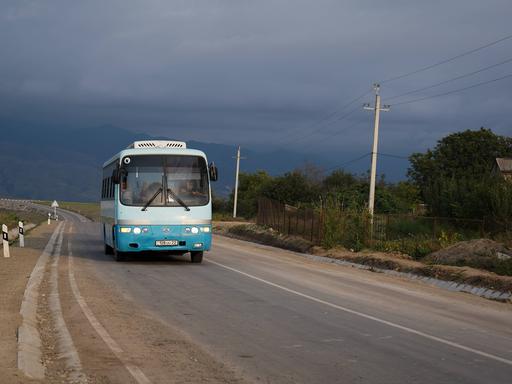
(29, 339)
(135, 371)
(65, 345)
(369, 317)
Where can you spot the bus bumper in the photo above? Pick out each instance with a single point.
(184, 238)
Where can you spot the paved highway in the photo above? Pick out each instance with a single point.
(272, 316)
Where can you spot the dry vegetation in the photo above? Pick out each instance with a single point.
(89, 210)
(384, 260)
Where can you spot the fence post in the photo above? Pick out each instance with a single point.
(21, 234)
(5, 240)
(289, 222)
(303, 233)
(49, 215)
(283, 230)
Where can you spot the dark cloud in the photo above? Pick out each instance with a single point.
(254, 72)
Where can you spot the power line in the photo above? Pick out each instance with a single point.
(450, 80)
(349, 162)
(446, 60)
(453, 91)
(312, 149)
(393, 156)
(320, 123)
(309, 134)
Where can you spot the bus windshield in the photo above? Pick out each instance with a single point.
(167, 180)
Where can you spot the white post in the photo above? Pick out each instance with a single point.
(373, 173)
(5, 240)
(21, 234)
(55, 213)
(49, 216)
(236, 181)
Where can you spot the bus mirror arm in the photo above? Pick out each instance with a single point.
(214, 174)
(117, 174)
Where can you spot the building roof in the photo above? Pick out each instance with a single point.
(504, 164)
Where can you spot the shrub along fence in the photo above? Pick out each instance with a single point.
(330, 226)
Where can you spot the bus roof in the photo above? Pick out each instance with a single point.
(155, 151)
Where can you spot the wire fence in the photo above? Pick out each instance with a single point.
(304, 222)
(315, 224)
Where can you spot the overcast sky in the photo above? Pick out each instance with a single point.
(256, 72)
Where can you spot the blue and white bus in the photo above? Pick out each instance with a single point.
(156, 196)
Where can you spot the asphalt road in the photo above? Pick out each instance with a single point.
(277, 317)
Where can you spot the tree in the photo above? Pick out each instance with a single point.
(454, 178)
(250, 187)
(293, 188)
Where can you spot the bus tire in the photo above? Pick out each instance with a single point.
(108, 250)
(119, 256)
(196, 256)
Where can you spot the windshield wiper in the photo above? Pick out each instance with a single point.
(159, 191)
(177, 198)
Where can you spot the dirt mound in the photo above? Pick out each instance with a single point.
(268, 236)
(479, 253)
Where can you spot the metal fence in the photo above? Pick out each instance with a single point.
(308, 223)
(304, 222)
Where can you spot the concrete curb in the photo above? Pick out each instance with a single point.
(443, 284)
(29, 340)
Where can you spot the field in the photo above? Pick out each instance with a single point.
(89, 210)
(12, 217)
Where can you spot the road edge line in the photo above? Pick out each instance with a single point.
(369, 317)
(134, 370)
(29, 339)
(65, 346)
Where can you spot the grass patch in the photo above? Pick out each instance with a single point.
(12, 217)
(89, 210)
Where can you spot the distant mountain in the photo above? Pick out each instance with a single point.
(65, 164)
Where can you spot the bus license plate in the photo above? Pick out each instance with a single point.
(166, 243)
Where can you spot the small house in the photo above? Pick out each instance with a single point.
(503, 167)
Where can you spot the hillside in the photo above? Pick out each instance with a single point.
(65, 164)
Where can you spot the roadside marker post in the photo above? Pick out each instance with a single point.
(21, 234)
(49, 216)
(5, 240)
(55, 205)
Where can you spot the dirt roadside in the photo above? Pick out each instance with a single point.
(164, 354)
(14, 274)
(372, 259)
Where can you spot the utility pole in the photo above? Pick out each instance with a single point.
(373, 173)
(236, 181)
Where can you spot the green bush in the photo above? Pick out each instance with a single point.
(344, 228)
(417, 248)
(399, 227)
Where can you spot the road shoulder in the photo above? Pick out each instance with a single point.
(14, 275)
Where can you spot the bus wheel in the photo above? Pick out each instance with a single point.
(119, 256)
(196, 257)
(108, 250)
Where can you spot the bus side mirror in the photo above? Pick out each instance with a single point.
(213, 172)
(116, 176)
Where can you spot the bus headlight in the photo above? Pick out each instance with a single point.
(205, 229)
(125, 229)
(136, 230)
(194, 230)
